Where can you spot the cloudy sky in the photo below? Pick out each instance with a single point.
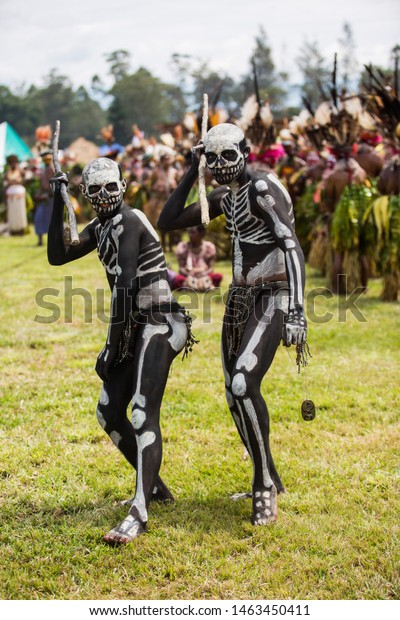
(73, 37)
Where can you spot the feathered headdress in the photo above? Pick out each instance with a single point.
(299, 123)
(383, 102)
(256, 119)
(216, 116)
(190, 123)
(43, 136)
(216, 113)
(167, 139)
(339, 121)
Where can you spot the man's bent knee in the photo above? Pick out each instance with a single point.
(239, 385)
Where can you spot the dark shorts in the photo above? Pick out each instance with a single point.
(143, 317)
(240, 304)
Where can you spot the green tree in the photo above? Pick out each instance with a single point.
(221, 89)
(54, 99)
(119, 63)
(22, 113)
(316, 74)
(348, 65)
(87, 117)
(195, 78)
(79, 114)
(272, 84)
(145, 100)
(182, 67)
(57, 100)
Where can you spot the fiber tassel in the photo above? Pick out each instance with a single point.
(302, 355)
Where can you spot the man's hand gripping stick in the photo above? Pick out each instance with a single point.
(74, 235)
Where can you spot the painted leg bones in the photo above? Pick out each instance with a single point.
(243, 375)
(157, 344)
(111, 415)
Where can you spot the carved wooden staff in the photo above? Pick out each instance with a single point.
(73, 229)
(205, 216)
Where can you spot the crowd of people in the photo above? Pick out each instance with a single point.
(152, 169)
(333, 181)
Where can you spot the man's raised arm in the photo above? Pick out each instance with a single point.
(276, 213)
(174, 215)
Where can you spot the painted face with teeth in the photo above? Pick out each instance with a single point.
(103, 186)
(226, 152)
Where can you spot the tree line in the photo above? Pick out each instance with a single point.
(144, 99)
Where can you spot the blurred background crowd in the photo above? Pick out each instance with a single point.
(337, 154)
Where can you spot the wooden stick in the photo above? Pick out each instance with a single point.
(205, 216)
(64, 191)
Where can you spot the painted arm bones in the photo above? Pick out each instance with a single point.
(174, 214)
(280, 221)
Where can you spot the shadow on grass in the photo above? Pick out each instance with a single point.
(194, 515)
(205, 515)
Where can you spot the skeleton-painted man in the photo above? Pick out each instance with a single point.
(147, 328)
(266, 298)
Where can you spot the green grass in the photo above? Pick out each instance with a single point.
(61, 478)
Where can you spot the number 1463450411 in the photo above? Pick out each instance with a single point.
(270, 610)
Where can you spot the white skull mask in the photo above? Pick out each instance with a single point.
(102, 185)
(224, 157)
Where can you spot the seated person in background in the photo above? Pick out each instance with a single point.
(196, 259)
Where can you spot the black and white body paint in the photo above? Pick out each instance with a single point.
(265, 252)
(130, 251)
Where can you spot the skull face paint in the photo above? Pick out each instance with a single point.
(224, 157)
(102, 185)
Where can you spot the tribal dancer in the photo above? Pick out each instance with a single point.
(148, 328)
(266, 298)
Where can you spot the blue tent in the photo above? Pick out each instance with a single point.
(12, 144)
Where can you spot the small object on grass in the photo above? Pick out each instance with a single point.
(237, 496)
(308, 410)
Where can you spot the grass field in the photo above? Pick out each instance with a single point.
(61, 478)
